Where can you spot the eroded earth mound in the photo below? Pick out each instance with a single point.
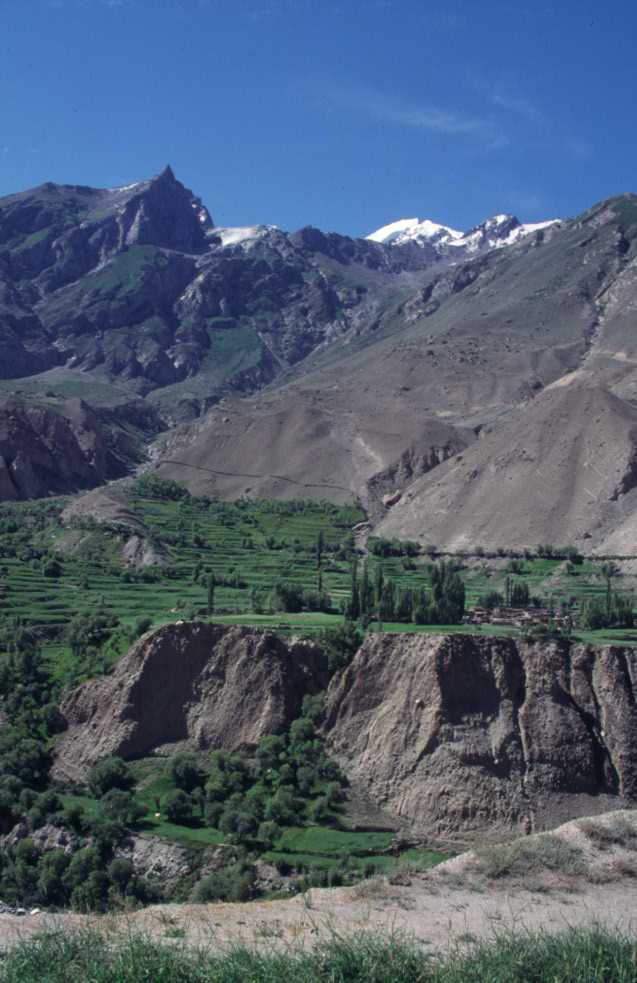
(211, 686)
(457, 734)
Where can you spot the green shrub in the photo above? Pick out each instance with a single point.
(110, 773)
(178, 807)
(233, 883)
(152, 486)
(120, 806)
(185, 772)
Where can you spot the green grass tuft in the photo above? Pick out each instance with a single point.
(537, 854)
(575, 956)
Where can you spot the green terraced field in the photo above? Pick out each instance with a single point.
(251, 545)
(320, 847)
(248, 546)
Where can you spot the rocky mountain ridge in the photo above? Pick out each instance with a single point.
(135, 284)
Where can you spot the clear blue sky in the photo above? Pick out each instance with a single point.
(344, 114)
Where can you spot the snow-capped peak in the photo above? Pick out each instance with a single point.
(408, 229)
(498, 220)
(494, 233)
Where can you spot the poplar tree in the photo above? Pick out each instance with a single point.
(211, 595)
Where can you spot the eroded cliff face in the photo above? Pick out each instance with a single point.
(452, 735)
(458, 734)
(208, 685)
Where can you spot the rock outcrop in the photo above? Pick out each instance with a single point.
(458, 734)
(56, 446)
(450, 735)
(51, 450)
(207, 685)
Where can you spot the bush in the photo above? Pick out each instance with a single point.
(52, 568)
(212, 813)
(178, 807)
(292, 598)
(143, 625)
(120, 872)
(491, 600)
(392, 547)
(108, 774)
(120, 806)
(233, 883)
(268, 833)
(185, 772)
(539, 853)
(341, 645)
(152, 486)
(615, 612)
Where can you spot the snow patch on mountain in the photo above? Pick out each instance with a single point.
(240, 235)
(126, 187)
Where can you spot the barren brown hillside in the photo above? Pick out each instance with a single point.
(310, 444)
(562, 470)
(478, 345)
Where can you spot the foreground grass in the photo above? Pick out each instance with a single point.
(593, 956)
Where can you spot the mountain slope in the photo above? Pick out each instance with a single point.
(561, 470)
(311, 444)
(461, 347)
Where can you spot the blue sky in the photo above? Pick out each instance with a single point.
(344, 114)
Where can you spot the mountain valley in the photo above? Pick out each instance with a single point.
(317, 553)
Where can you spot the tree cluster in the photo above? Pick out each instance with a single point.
(286, 595)
(381, 598)
(289, 780)
(392, 547)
